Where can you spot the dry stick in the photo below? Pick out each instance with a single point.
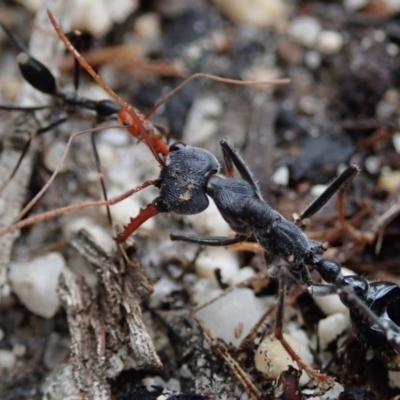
(73, 207)
(29, 206)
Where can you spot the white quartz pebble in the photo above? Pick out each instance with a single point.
(329, 42)
(35, 283)
(232, 316)
(305, 30)
(7, 359)
(272, 359)
(331, 327)
(212, 258)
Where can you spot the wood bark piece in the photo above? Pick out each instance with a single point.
(107, 331)
(47, 48)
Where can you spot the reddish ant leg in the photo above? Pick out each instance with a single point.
(75, 207)
(131, 124)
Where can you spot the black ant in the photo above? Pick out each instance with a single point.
(42, 79)
(189, 175)
(373, 306)
(287, 250)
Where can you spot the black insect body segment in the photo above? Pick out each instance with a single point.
(182, 183)
(287, 249)
(374, 308)
(184, 178)
(383, 299)
(37, 74)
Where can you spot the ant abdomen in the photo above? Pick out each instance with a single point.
(37, 74)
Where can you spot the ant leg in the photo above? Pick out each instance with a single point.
(231, 156)
(55, 172)
(75, 207)
(26, 148)
(100, 172)
(339, 184)
(209, 240)
(278, 333)
(22, 108)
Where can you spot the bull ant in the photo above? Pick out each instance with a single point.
(189, 174)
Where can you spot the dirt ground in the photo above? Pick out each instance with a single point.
(110, 337)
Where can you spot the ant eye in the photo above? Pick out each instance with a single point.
(177, 146)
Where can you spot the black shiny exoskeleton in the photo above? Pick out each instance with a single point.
(184, 178)
(374, 307)
(243, 208)
(182, 183)
(41, 78)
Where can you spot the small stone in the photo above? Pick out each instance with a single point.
(272, 359)
(329, 42)
(332, 393)
(212, 258)
(312, 59)
(305, 30)
(331, 327)
(35, 283)
(310, 105)
(185, 372)
(19, 350)
(281, 176)
(394, 379)
(53, 155)
(7, 359)
(97, 17)
(372, 164)
(223, 316)
(354, 5)
(101, 236)
(317, 190)
(147, 26)
(390, 181)
(332, 304)
(201, 123)
(260, 13)
(210, 222)
(396, 142)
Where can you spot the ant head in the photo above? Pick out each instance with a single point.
(184, 179)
